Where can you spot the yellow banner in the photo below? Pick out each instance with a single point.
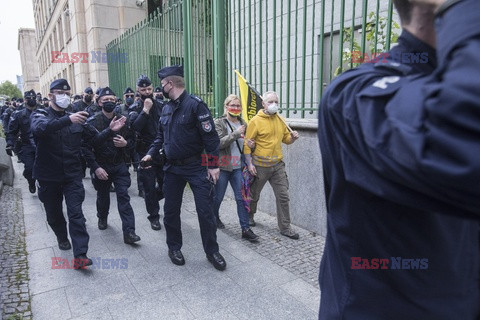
(250, 98)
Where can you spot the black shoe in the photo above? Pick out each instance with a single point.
(102, 223)
(82, 261)
(249, 235)
(290, 234)
(64, 245)
(32, 188)
(141, 194)
(131, 238)
(177, 257)
(217, 260)
(220, 224)
(156, 225)
(251, 222)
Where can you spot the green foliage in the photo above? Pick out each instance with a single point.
(371, 29)
(9, 89)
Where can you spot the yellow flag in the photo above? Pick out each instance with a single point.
(250, 98)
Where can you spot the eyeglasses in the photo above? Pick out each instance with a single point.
(129, 95)
(234, 105)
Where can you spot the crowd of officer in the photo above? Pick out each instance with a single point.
(59, 137)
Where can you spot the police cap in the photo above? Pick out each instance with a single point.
(59, 84)
(175, 70)
(143, 81)
(29, 94)
(88, 90)
(106, 92)
(158, 89)
(128, 90)
(98, 90)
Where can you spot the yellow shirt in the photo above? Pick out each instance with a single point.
(269, 132)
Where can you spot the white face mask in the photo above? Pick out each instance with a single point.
(62, 100)
(272, 108)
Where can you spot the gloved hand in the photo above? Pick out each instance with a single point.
(9, 151)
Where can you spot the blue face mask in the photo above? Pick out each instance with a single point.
(129, 101)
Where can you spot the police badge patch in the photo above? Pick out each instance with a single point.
(206, 126)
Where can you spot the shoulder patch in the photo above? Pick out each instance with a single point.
(206, 126)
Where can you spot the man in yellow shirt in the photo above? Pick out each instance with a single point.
(265, 162)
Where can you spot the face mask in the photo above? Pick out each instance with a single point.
(159, 98)
(165, 93)
(31, 103)
(234, 112)
(14, 104)
(45, 104)
(109, 106)
(272, 108)
(62, 100)
(146, 97)
(129, 101)
(88, 99)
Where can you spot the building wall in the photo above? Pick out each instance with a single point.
(27, 48)
(71, 26)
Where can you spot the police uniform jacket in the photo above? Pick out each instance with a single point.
(20, 122)
(106, 152)
(6, 118)
(186, 130)
(80, 106)
(401, 164)
(59, 144)
(146, 125)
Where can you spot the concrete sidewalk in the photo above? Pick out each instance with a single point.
(273, 279)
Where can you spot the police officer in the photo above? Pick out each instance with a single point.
(7, 114)
(186, 129)
(107, 163)
(19, 125)
(93, 108)
(158, 94)
(400, 143)
(145, 123)
(87, 100)
(57, 166)
(128, 96)
(45, 102)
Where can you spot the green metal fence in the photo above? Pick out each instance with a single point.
(294, 47)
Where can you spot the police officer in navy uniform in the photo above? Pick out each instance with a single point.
(186, 130)
(158, 94)
(400, 143)
(57, 168)
(87, 100)
(128, 95)
(107, 163)
(19, 125)
(93, 108)
(144, 121)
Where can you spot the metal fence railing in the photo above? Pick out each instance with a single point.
(294, 47)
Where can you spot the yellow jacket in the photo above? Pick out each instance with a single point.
(269, 132)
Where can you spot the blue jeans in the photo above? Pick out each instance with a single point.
(235, 178)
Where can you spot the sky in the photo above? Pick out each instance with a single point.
(13, 16)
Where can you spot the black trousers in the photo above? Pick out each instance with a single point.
(120, 177)
(176, 177)
(51, 194)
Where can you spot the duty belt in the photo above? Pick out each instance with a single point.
(183, 162)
